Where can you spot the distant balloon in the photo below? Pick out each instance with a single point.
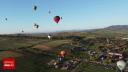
(56, 19)
(49, 12)
(36, 26)
(61, 18)
(121, 65)
(6, 19)
(49, 36)
(22, 31)
(35, 7)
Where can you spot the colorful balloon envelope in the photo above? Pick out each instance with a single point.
(121, 64)
(57, 19)
(62, 53)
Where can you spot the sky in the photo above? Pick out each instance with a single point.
(76, 14)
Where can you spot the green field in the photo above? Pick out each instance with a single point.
(29, 63)
(51, 45)
(8, 43)
(4, 54)
(32, 55)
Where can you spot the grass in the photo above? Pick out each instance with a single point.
(8, 43)
(51, 45)
(37, 62)
(34, 62)
(4, 54)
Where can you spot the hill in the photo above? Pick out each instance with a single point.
(118, 27)
(111, 31)
(114, 30)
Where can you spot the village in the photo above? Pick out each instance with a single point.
(107, 52)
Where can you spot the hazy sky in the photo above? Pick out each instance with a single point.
(77, 14)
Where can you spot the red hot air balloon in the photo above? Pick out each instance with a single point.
(56, 19)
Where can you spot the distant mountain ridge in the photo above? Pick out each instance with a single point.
(111, 29)
(118, 27)
(115, 30)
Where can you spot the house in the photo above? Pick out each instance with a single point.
(124, 38)
(102, 55)
(115, 56)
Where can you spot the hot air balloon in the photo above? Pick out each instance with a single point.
(61, 18)
(35, 7)
(22, 31)
(6, 19)
(49, 12)
(56, 19)
(62, 53)
(121, 65)
(36, 26)
(49, 36)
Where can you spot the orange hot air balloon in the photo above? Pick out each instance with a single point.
(62, 53)
(57, 19)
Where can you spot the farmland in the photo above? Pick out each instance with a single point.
(33, 55)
